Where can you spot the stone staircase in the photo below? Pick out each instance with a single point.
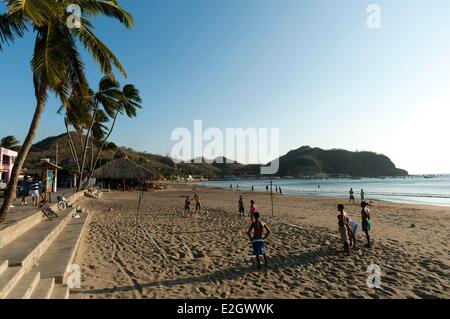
(94, 193)
(35, 253)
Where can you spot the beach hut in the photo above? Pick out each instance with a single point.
(123, 173)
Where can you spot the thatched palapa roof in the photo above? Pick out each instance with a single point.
(124, 168)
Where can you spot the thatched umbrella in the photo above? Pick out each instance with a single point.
(122, 168)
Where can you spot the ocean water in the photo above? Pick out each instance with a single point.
(411, 190)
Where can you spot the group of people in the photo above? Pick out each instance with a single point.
(34, 187)
(348, 228)
(277, 188)
(255, 232)
(352, 196)
(258, 231)
(187, 205)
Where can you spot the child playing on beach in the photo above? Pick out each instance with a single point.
(187, 205)
(252, 210)
(343, 228)
(258, 240)
(241, 206)
(366, 223)
(198, 203)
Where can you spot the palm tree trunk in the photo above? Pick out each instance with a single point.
(23, 153)
(71, 145)
(92, 151)
(101, 147)
(86, 145)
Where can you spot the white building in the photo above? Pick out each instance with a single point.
(7, 159)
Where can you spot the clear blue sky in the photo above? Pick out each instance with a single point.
(311, 68)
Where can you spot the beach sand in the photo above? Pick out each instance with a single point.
(207, 256)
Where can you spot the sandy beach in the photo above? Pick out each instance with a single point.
(208, 255)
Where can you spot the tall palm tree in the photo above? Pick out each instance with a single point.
(129, 103)
(56, 64)
(108, 96)
(10, 142)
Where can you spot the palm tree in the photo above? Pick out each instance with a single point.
(129, 103)
(89, 117)
(108, 96)
(56, 64)
(10, 142)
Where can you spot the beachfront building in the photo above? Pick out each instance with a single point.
(122, 173)
(7, 158)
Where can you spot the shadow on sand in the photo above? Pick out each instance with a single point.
(276, 263)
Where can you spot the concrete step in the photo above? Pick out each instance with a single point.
(9, 233)
(9, 278)
(3, 266)
(25, 287)
(44, 289)
(61, 253)
(27, 248)
(21, 222)
(60, 292)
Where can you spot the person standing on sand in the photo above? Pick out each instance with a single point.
(363, 199)
(267, 188)
(257, 240)
(198, 203)
(187, 205)
(253, 188)
(276, 189)
(241, 206)
(231, 186)
(352, 232)
(366, 223)
(343, 228)
(279, 189)
(252, 210)
(352, 196)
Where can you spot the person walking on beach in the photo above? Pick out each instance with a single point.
(253, 188)
(198, 203)
(252, 210)
(241, 206)
(231, 186)
(366, 223)
(187, 205)
(363, 199)
(259, 248)
(267, 188)
(352, 196)
(276, 189)
(279, 189)
(343, 228)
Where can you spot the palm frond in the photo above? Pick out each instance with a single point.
(100, 52)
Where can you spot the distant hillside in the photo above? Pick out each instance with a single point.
(305, 161)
